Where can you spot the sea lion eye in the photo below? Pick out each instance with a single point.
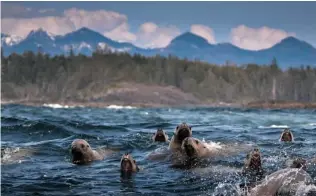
(88, 146)
(178, 127)
(82, 146)
(197, 142)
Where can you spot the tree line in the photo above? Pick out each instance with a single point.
(37, 76)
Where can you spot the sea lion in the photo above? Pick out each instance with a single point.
(194, 148)
(82, 153)
(15, 155)
(283, 182)
(128, 164)
(253, 165)
(287, 135)
(193, 151)
(160, 136)
(299, 163)
(182, 131)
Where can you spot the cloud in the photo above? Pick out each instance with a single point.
(257, 39)
(203, 31)
(150, 35)
(111, 24)
(121, 34)
(72, 19)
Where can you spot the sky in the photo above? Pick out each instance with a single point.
(248, 25)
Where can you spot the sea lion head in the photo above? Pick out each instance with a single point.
(287, 135)
(128, 164)
(193, 147)
(182, 131)
(253, 160)
(81, 152)
(160, 136)
(299, 163)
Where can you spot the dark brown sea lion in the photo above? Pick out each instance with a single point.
(299, 163)
(82, 153)
(128, 164)
(160, 136)
(287, 136)
(182, 131)
(253, 164)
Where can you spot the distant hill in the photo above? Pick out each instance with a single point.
(288, 52)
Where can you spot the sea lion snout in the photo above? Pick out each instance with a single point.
(183, 131)
(191, 146)
(160, 136)
(253, 161)
(287, 135)
(81, 152)
(128, 164)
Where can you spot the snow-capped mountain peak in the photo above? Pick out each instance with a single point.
(10, 40)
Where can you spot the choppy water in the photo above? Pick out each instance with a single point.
(43, 136)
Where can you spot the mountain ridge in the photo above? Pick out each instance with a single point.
(289, 52)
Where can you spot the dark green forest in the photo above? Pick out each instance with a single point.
(36, 76)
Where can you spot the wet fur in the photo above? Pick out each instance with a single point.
(82, 153)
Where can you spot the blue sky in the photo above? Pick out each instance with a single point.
(241, 23)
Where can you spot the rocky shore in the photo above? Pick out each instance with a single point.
(141, 95)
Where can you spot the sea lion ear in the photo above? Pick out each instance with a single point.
(177, 127)
(134, 161)
(190, 127)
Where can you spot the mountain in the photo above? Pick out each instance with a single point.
(83, 41)
(288, 52)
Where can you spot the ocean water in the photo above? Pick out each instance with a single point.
(36, 145)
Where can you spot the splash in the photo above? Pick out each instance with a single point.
(212, 145)
(120, 107)
(55, 105)
(11, 155)
(274, 127)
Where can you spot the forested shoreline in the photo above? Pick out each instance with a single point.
(36, 76)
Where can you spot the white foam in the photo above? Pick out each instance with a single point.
(312, 124)
(212, 145)
(274, 127)
(120, 107)
(303, 189)
(55, 105)
(8, 152)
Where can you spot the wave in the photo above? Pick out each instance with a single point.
(274, 127)
(56, 105)
(120, 107)
(312, 124)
